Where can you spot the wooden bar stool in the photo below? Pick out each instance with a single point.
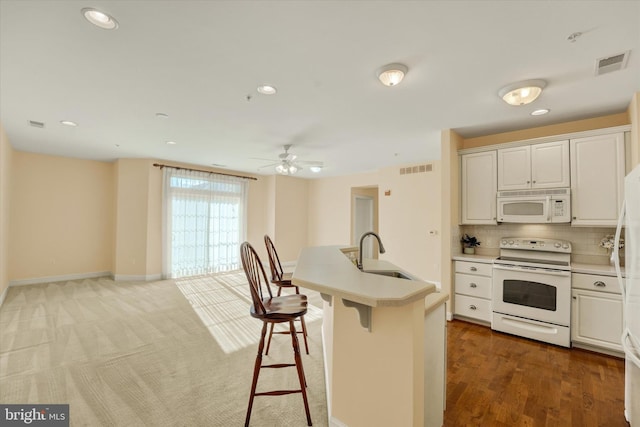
(281, 280)
(270, 309)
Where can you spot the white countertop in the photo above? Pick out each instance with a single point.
(327, 270)
(601, 269)
(485, 259)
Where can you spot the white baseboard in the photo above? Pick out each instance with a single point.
(62, 278)
(334, 422)
(3, 295)
(137, 277)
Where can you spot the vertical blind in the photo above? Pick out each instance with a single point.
(204, 220)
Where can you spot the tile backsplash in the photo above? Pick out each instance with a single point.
(585, 241)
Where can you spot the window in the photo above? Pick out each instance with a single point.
(204, 222)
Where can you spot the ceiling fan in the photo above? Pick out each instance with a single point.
(288, 165)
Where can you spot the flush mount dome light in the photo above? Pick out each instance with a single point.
(316, 169)
(99, 19)
(392, 74)
(522, 93)
(267, 90)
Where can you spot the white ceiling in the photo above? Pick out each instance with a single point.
(197, 61)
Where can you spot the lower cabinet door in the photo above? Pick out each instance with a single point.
(473, 307)
(596, 319)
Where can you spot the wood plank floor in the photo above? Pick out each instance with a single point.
(495, 379)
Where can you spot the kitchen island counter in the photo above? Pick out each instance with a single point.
(373, 333)
(327, 270)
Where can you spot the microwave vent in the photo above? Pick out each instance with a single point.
(611, 63)
(416, 169)
(542, 192)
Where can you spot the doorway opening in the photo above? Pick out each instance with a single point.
(364, 217)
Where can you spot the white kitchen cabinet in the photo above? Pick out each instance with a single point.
(534, 166)
(478, 188)
(597, 176)
(596, 315)
(473, 290)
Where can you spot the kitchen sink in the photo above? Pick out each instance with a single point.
(390, 273)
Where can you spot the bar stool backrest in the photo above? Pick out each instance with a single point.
(256, 276)
(274, 260)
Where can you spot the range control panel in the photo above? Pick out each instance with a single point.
(532, 244)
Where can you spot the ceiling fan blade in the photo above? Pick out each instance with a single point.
(269, 166)
(260, 158)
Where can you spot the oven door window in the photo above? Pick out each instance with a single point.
(529, 294)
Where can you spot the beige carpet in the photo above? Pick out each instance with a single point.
(166, 353)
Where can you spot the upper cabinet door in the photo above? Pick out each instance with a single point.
(514, 168)
(479, 180)
(550, 165)
(534, 166)
(597, 179)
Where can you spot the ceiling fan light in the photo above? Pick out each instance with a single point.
(280, 169)
(293, 169)
(392, 74)
(522, 93)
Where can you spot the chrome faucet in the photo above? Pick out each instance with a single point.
(380, 245)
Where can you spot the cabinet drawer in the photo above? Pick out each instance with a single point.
(594, 282)
(475, 286)
(476, 308)
(474, 268)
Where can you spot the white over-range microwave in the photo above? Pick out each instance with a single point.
(535, 206)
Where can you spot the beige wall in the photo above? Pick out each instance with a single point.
(290, 214)
(634, 118)
(449, 146)
(6, 160)
(409, 220)
(259, 217)
(132, 219)
(61, 216)
(542, 131)
(330, 207)
(405, 218)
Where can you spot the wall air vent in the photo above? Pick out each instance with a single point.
(611, 63)
(36, 124)
(416, 169)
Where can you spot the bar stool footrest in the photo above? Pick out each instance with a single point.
(278, 392)
(278, 365)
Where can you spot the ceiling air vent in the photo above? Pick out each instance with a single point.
(416, 169)
(36, 124)
(611, 63)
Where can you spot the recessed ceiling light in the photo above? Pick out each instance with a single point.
(267, 90)
(171, 143)
(99, 19)
(68, 123)
(540, 112)
(522, 93)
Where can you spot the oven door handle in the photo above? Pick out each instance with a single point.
(533, 270)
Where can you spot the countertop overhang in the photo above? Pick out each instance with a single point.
(327, 270)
